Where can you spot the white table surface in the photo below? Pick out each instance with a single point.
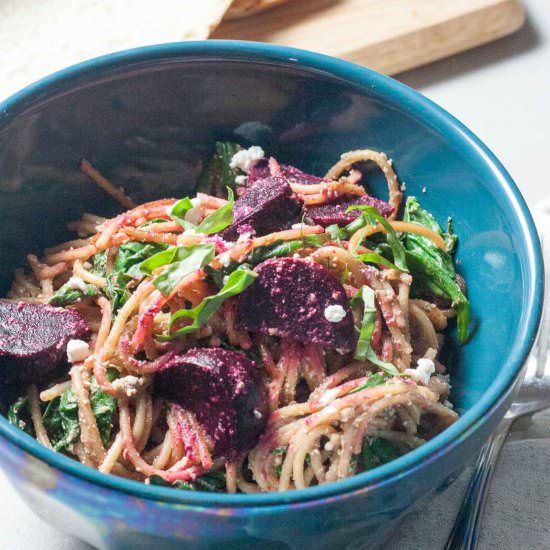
(501, 91)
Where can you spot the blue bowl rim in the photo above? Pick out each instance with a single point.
(361, 78)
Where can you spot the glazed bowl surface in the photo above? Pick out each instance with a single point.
(148, 119)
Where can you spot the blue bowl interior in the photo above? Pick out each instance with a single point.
(148, 121)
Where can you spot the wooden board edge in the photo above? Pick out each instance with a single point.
(498, 21)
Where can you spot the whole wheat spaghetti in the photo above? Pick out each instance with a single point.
(320, 309)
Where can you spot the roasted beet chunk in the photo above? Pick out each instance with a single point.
(299, 300)
(33, 339)
(224, 389)
(335, 211)
(293, 175)
(258, 171)
(267, 205)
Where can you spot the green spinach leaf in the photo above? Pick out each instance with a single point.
(433, 268)
(61, 421)
(104, 406)
(218, 174)
(378, 451)
(68, 295)
(213, 482)
(20, 416)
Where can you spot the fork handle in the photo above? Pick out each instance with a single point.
(464, 534)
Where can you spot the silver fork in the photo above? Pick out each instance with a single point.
(533, 396)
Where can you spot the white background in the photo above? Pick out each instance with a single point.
(501, 91)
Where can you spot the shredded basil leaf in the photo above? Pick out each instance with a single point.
(219, 219)
(371, 216)
(236, 283)
(374, 258)
(178, 211)
(285, 248)
(181, 261)
(363, 350)
(375, 379)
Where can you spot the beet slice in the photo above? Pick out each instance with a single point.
(258, 171)
(224, 389)
(289, 298)
(270, 167)
(294, 175)
(267, 205)
(335, 211)
(33, 339)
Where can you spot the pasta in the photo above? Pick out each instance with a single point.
(172, 289)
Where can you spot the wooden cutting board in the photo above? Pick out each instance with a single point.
(389, 36)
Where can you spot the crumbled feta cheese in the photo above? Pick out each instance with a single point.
(334, 313)
(77, 283)
(244, 237)
(128, 385)
(257, 414)
(77, 351)
(240, 180)
(225, 259)
(329, 446)
(425, 368)
(297, 226)
(225, 279)
(246, 158)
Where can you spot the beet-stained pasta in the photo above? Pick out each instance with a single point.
(277, 331)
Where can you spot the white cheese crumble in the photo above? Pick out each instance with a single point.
(77, 283)
(424, 369)
(296, 226)
(225, 279)
(240, 180)
(334, 313)
(128, 385)
(225, 259)
(244, 237)
(246, 158)
(77, 351)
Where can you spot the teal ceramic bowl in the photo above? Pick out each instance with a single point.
(148, 119)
